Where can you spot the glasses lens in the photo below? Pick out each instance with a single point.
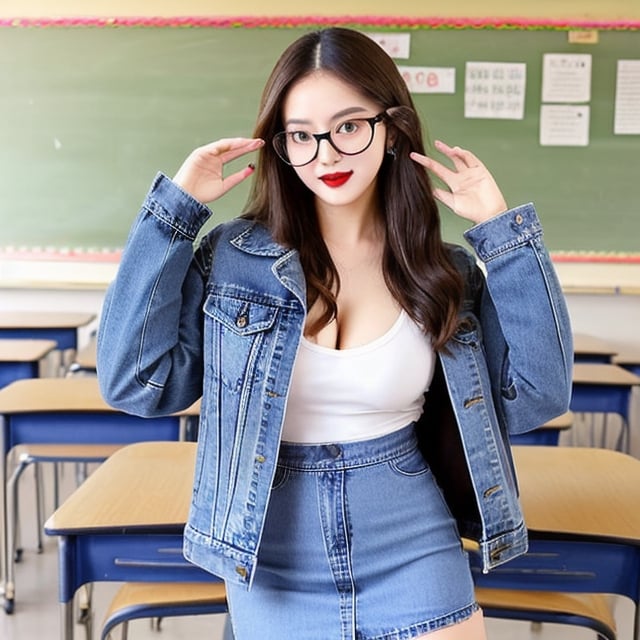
(352, 136)
(295, 147)
(280, 146)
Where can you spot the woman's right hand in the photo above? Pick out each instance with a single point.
(202, 173)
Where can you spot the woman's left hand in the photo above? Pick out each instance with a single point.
(473, 193)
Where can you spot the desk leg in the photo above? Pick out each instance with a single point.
(4, 558)
(66, 620)
(66, 584)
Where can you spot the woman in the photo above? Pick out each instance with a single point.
(359, 377)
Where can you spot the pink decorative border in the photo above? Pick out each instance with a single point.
(60, 255)
(389, 22)
(114, 254)
(594, 256)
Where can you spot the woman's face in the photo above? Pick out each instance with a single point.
(321, 102)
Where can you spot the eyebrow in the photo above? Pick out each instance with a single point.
(336, 116)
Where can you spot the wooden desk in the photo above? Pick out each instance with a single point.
(628, 358)
(125, 522)
(67, 411)
(603, 374)
(22, 358)
(582, 509)
(581, 491)
(589, 348)
(548, 434)
(603, 388)
(62, 327)
(146, 485)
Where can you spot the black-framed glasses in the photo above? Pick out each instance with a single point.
(348, 137)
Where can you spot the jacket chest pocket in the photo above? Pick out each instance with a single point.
(236, 337)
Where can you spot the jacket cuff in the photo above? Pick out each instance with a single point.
(505, 232)
(175, 207)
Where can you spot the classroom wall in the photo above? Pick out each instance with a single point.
(608, 314)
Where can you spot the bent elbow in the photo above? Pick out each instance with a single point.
(134, 396)
(558, 402)
(534, 406)
(554, 396)
(128, 396)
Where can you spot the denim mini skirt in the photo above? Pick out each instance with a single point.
(358, 544)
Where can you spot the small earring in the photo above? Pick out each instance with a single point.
(392, 152)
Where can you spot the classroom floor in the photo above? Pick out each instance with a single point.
(36, 615)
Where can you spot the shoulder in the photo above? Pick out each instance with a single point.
(219, 239)
(461, 257)
(229, 231)
(240, 234)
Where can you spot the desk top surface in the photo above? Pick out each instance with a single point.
(44, 319)
(18, 350)
(38, 395)
(565, 490)
(603, 374)
(581, 491)
(564, 421)
(586, 344)
(627, 356)
(142, 485)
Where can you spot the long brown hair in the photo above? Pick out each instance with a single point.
(416, 265)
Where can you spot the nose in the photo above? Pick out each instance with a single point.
(327, 154)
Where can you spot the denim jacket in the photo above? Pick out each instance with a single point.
(224, 323)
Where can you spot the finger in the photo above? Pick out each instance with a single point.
(446, 197)
(461, 158)
(437, 168)
(229, 149)
(236, 178)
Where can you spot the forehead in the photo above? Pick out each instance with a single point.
(320, 95)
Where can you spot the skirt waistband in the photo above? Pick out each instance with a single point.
(344, 455)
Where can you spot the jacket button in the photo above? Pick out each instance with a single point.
(241, 571)
(260, 459)
(241, 322)
(519, 218)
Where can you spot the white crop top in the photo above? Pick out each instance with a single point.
(359, 393)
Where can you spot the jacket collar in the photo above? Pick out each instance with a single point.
(257, 240)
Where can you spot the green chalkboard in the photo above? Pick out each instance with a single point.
(88, 115)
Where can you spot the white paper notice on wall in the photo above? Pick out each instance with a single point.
(564, 125)
(627, 110)
(429, 79)
(495, 90)
(397, 45)
(566, 77)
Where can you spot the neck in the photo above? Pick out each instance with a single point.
(347, 226)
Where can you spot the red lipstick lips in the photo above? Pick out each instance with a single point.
(336, 179)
